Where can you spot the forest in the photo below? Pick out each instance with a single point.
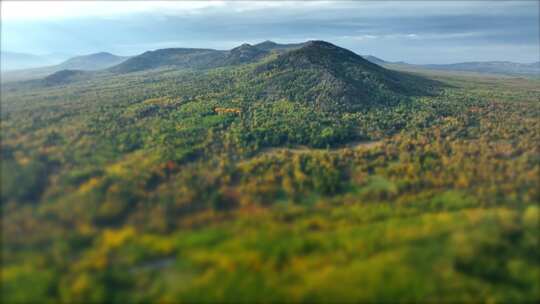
(305, 175)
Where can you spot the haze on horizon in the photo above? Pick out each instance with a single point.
(412, 31)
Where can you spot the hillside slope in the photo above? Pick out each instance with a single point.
(91, 62)
(172, 57)
(327, 75)
(315, 72)
(199, 59)
(64, 77)
(273, 46)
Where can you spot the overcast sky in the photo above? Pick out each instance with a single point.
(416, 32)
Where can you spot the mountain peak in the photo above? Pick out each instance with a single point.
(244, 46)
(102, 54)
(274, 46)
(319, 44)
(331, 76)
(95, 55)
(324, 53)
(243, 54)
(266, 43)
(93, 61)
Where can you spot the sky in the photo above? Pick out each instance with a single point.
(412, 31)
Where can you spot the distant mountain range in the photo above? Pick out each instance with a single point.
(488, 67)
(91, 62)
(316, 72)
(201, 58)
(246, 53)
(194, 58)
(495, 67)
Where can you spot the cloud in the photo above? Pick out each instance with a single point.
(384, 28)
(49, 10)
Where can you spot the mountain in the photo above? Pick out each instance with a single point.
(172, 57)
(270, 46)
(78, 68)
(63, 77)
(89, 62)
(328, 75)
(188, 58)
(245, 53)
(315, 72)
(492, 67)
(488, 67)
(193, 58)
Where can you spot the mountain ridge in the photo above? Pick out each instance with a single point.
(202, 58)
(315, 72)
(487, 67)
(90, 62)
(331, 76)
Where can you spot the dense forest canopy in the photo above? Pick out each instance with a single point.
(269, 173)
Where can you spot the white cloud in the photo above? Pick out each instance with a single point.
(359, 37)
(413, 36)
(44, 10)
(374, 26)
(32, 10)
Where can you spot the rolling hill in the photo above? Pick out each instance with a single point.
(273, 46)
(314, 72)
(246, 53)
(169, 58)
(328, 75)
(198, 59)
(65, 77)
(490, 67)
(91, 62)
(485, 67)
